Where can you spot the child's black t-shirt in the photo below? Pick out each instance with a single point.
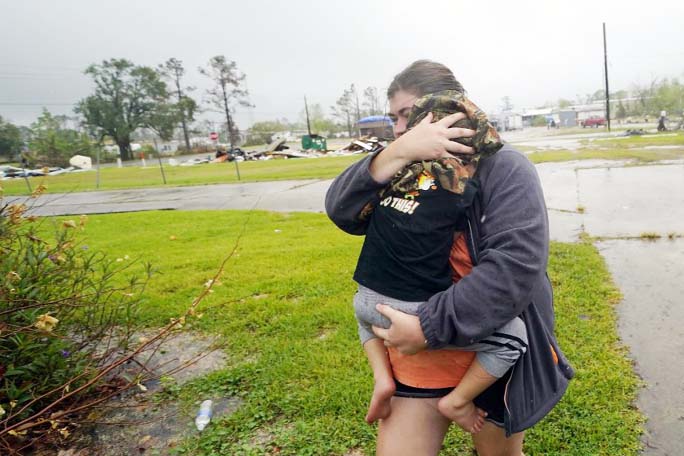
(406, 251)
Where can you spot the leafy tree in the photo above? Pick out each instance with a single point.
(506, 104)
(668, 96)
(262, 132)
(539, 121)
(319, 123)
(173, 70)
(599, 95)
(371, 101)
(563, 103)
(347, 109)
(227, 90)
(618, 95)
(164, 119)
(52, 143)
(125, 97)
(10, 139)
(621, 111)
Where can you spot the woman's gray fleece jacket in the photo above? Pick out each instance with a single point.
(508, 240)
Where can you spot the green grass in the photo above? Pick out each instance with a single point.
(654, 139)
(211, 173)
(638, 155)
(283, 310)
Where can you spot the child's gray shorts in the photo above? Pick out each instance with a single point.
(496, 353)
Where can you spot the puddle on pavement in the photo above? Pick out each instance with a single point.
(633, 200)
(651, 324)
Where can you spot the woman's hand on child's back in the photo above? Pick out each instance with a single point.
(429, 141)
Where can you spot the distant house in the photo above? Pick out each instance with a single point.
(528, 115)
(506, 121)
(379, 126)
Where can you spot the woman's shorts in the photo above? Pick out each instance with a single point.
(491, 400)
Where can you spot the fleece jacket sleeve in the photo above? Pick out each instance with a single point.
(349, 193)
(512, 257)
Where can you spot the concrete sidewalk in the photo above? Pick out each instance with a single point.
(301, 195)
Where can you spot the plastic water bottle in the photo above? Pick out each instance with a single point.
(204, 415)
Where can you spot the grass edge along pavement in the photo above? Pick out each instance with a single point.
(283, 309)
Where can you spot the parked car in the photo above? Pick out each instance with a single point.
(593, 121)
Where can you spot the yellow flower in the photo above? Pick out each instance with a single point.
(69, 224)
(13, 276)
(2, 410)
(46, 322)
(16, 211)
(38, 191)
(65, 432)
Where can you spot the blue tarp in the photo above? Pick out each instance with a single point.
(373, 119)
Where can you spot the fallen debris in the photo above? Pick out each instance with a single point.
(81, 161)
(635, 132)
(364, 144)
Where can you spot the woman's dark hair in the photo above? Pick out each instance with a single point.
(423, 77)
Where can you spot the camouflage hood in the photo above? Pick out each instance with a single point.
(453, 173)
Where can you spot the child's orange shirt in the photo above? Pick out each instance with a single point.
(437, 368)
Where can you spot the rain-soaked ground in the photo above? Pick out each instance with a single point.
(632, 204)
(649, 274)
(604, 199)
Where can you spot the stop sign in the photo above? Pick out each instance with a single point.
(213, 136)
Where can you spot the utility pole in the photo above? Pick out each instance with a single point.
(306, 108)
(605, 67)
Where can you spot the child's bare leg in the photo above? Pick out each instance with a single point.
(458, 405)
(384, 388)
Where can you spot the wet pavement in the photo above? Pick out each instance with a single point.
(651, 324)
(603, 199)
(287, 196)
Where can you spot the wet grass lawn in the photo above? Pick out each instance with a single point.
(641, 149)
(635, 155)
(282, 307)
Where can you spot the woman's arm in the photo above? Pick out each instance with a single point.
(359, 184)
(513, 256)
(349, 193)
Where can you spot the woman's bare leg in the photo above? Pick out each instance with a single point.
(415, 427)
(492, 441)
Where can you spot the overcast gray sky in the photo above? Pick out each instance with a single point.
(532, 51)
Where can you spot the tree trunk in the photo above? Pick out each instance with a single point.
(184, 123)
(185, 133)
(125, 149)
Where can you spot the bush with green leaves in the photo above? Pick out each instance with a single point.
(66, 312)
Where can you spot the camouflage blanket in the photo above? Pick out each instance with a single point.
(453, 173)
